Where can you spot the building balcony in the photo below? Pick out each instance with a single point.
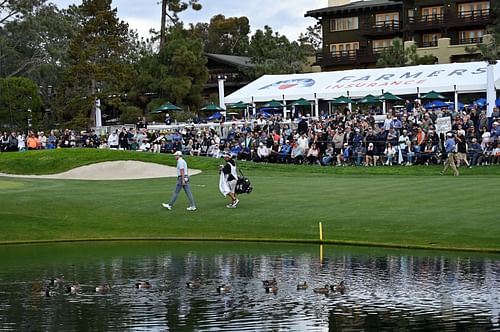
(362, 56)
(426, 22)
(465, 41)
(470, 18)
(381, 28)
(450, 20)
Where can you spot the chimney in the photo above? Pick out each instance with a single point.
(334, 3)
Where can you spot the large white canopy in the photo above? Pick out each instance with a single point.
(454, 77)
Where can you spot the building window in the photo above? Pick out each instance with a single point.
(430, 14)
(387, 19)
(344, 49)
(380, 44)
(430, 39)
(472, 9)
(471, 36)
(343, 24)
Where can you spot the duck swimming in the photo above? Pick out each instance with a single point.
(143, 284)
(102, 289)
(322, 290)
(271, 289)
(339, 288)
(223, 288)
(193, 284)
(73, 289)
(267, 283)
(304, 285)
(57, 282)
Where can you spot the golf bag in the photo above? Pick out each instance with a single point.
(243, 185)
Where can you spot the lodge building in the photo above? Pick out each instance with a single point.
(354, 33)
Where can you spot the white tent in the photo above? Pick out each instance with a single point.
(454, 77)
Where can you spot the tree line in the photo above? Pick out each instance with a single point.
(55, 63)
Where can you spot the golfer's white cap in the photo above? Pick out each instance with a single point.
(177, 153)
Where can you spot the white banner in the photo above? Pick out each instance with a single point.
(357, 83)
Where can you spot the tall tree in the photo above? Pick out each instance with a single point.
(34, 42)
(20, 102)
(397, 55)
(182, 68)
(224, 35)
(97, 63)
(15, 10)
(170, 9)
(275, 54)
(312, 37)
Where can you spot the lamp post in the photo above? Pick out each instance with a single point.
(220, 81)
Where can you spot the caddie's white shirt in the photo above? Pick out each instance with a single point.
(181, 164)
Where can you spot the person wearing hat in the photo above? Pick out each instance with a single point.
(182, 183)
(228, 180)
(449, 148)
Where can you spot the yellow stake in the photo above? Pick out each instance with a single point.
(320, 231)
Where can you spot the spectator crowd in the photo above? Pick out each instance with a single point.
(406, 136)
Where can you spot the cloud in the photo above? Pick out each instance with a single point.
(285, 17)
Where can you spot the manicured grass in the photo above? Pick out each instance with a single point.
(399, 206)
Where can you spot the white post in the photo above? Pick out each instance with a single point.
(384, 106)
(456, 97)
(316, 106)
(98, 117)
(220, 80)
(284, 108)
(490, 90)
(350, 104)
(254, 109)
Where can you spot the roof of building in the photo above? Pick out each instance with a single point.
(233, 60)
(353, 7)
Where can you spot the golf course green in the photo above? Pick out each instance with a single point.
(407, 207)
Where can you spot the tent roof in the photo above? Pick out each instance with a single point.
(464, 77)
(233, 60)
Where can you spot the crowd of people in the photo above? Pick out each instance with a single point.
(343, 138)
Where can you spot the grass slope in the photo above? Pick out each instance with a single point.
(398, 206)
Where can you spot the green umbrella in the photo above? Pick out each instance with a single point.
(388, 97)
(300, 102)
(433, 95)
(369, 99)
(273, 104)
(212, 108)
(238, 106)
(167, 107)
(342, 100)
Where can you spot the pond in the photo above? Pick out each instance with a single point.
(385, 290)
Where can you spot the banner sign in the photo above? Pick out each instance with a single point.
(357, 83)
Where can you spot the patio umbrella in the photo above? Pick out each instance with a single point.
(433, 95)
(165, 108)
(274, 104)
(264, 113)
(212, 108)
(216, 115)
(451, 105)
(238, 106)
(497, 102)
(342, 100)
(300, 102)
(369, 99)
(481, 102)
(436, 104)
(388, 97)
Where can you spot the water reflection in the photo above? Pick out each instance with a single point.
(385, 290)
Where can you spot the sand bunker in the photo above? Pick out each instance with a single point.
(113, 170)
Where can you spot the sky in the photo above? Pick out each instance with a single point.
(285, 17)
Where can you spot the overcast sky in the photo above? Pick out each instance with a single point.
(283, 16)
